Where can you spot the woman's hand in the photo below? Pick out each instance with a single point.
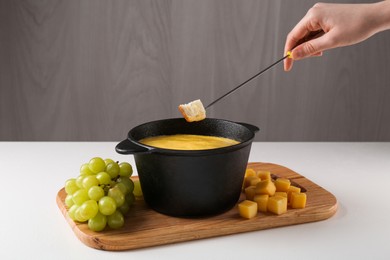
(327, 26)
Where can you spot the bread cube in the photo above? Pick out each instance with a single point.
(277, 205)
(262, 202)
(292, 189)
(298, 200)
(282, 184)
(265, 187)
(250, 192)
(251, 181)
(193, 111)
(247, 209)
(250, 172)
(264, 175)
(281, 193)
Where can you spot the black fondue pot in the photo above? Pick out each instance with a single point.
(190, 183)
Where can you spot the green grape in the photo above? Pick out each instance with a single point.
(79, 181)
(117, 195)
(103, 178)
(97, 223)
(125, 169)
(107, 205)
(124, 208)
(88, 209)
(96, 165)
(95, 193)
(101, 194)
(71, 186)
(72, 211)
(127, 182)
(78, 216)
(123, 188)
(90, 181)
(130, 198)
(69, 201)
(84, 170)
(80, 196)
(115, 220)
(113, 170)
(137, 189)
(108, 161)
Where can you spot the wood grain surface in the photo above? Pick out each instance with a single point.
(91, 70)
(145, 227)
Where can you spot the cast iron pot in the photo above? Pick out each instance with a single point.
(190, 183)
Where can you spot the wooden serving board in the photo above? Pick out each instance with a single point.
(145, 227)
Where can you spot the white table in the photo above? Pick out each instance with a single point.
(358, 174)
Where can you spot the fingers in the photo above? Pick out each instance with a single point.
(288, 64)
(299, 32)
(289, 61)
(318, 54)
(314, 47)
(306, 29)
(313, 44)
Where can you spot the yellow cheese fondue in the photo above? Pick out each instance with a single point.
(188, 142)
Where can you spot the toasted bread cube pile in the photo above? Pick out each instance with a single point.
(247, 209)
(274, 196)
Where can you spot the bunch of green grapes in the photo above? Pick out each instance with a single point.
(101, 195)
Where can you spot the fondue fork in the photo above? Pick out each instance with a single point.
(246, 81)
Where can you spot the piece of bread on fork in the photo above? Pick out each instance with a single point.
(193, 111)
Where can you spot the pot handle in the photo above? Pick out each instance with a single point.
(253, 128)
(128, 147)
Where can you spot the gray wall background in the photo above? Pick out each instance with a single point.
(89, 70)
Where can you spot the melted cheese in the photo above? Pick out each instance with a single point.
(188, 142)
